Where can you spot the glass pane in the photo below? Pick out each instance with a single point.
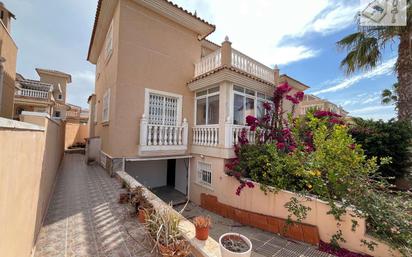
(238, 110)
(250, 92)
(260, 95)
(204, 92)
(250, 107)
(260, 110)
(201, 111)
(239, 89)
(213, 111)
(213, 90)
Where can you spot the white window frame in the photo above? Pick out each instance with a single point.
(202, 168)
(106, 106)
(108, 46)
(179, 98)
(206, 96)
(255, 97)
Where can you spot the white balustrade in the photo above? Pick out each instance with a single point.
(207, 135)
(208, 63)
(33, 93)
(233, 132)
(162, 135)
(247, 64)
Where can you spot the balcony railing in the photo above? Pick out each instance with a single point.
(33, 93)
(230, 57)
(207, 135)
(233, 132)
(163, 137)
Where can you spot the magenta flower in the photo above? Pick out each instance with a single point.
(280, 145)
(299, 96)
(267, 106)
(283, 89)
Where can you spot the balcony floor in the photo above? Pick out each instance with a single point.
(85, 219)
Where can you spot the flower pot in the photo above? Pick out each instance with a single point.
(246, 252)
(202, 233)
(141, 215)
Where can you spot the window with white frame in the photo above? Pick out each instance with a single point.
(247, 102)
(109, 41)
(207, 106)
(163, 109)
(106, 105)
(204, 172)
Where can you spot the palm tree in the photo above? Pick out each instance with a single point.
(365, 52)
(390, 96)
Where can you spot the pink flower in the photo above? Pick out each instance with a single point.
(267, 106)
(352, 146)
(292, 99)
(299, 95)
(250, 184)
(283, 89)
(252, 122)
(291, 148)
(280, 145)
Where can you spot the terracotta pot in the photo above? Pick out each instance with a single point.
(202, 233)
(141, 216)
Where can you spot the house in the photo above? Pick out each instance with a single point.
(45, 95)
(313, 102)
(77, 114)
(168, 104)
(8, 56)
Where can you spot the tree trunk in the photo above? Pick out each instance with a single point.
(404, 69)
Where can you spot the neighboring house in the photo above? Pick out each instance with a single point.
(8, 56)
(76, 114)
(313, 102)
(169, 104)
(45, 95)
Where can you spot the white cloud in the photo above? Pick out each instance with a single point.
(263, 29)
(384, 112)
(386, 68)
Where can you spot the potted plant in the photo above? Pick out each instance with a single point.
(163, 230)
(123, 198)
(202, 225)
(235, 245)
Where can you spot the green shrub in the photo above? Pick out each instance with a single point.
(386, 139)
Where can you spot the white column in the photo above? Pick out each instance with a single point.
(185, 131)
(143, 130)
(228, 133)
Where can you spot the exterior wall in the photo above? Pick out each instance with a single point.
(8, 50)
(256, 201)
(29, 160)
(55, 81)
(75, 133)
(154, 53)
(106, 77)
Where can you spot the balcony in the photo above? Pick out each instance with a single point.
(166, 138)
(33, 93)
(229, 57)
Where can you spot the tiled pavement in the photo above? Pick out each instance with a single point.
(85, 219)
(264, 243)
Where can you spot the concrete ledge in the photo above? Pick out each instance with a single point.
(13, 124)
(208, 248)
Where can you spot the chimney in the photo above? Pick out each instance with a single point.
(276, 74)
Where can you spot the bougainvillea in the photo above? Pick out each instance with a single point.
(315, 155)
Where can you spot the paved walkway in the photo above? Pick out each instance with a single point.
(85, 219)
(264, 243)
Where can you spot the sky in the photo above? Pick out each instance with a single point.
(298, 36)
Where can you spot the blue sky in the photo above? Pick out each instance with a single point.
(297, 35)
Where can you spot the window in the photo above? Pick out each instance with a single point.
(106, 104)
(247, 102)
(60, 97)
(207, 106)
(163, 109)
(204, 171)
(109, 42)
(57, 114)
